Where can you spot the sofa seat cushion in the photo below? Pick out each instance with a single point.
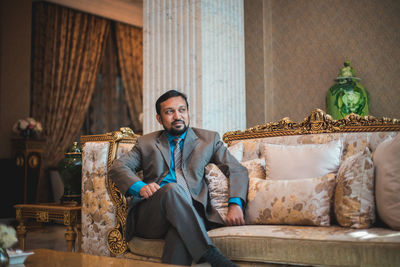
(152, 248)
(298, 245)
(333, 245)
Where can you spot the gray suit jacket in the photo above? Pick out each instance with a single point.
(152, 155)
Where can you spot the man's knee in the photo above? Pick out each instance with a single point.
(173, 191)
(172, 188)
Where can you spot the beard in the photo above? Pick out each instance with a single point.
(176, 132)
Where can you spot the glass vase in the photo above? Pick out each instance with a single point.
(347, 95)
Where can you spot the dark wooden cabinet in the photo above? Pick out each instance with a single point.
(28, 155)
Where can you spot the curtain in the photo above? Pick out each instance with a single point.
(67, 49)
(129, 42)
(108, 110)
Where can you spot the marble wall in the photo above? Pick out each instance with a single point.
(196, 47)
(295, 49)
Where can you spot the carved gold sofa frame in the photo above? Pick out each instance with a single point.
(318, 122)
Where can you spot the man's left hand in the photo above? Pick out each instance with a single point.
(235, 215)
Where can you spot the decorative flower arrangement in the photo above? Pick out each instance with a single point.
(7, 236)
(27, 128)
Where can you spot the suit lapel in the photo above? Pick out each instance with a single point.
(163, 145)
(190, 143)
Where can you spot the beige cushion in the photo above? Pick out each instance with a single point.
(218, 188)
(387, 164)
(308, 245)
(237, 151)
(302, 245)
(251, 149)
(354, 194)
(255, 167)
(301, 161)
(297, 202)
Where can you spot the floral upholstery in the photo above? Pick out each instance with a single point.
(255, 167)
(218, 186)
(296, 202)
(354, 194)
(98, 210)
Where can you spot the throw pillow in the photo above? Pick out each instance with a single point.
(237, 151)
(251, 149)
(256, 168)
(296, 202)
(354, 195)
(354, 145)
(301, 161)
(387, 181)
(218, 188)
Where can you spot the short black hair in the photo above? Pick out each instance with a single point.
(167, 95)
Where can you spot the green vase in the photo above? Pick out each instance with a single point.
(347, 95)
(70, 169)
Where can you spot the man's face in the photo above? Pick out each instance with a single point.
(174, 116)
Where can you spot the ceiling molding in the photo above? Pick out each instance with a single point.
(126, 11)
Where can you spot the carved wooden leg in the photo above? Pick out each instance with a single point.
(70, 237)
(21, 234)
(79, 229)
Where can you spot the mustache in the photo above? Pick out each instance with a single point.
(175, 121)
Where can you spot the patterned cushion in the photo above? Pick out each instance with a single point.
(297, 202)
(355, 146)
(255, 167)
(301, 161)
(387, 164)
(354, 194)
(237, 151)
(218, 188)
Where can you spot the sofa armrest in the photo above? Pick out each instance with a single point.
(103, 206)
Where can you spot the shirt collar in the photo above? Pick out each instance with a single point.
(172, 137)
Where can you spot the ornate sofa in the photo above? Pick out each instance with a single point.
(263, 241)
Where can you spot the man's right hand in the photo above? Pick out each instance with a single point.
(148, 190)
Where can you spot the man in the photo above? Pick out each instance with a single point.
(172, 200)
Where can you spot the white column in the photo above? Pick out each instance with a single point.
(196, 47)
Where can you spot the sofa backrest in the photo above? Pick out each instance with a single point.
(354, 131)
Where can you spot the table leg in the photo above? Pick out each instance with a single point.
(79, 229)
(21, 234)
(70, 237)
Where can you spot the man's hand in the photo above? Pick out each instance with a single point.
(234, 216)
(148, 190)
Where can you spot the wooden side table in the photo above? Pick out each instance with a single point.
(70, 216)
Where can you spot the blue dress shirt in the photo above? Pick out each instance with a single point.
(170, 177)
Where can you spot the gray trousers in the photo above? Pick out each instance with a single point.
(169, 215)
